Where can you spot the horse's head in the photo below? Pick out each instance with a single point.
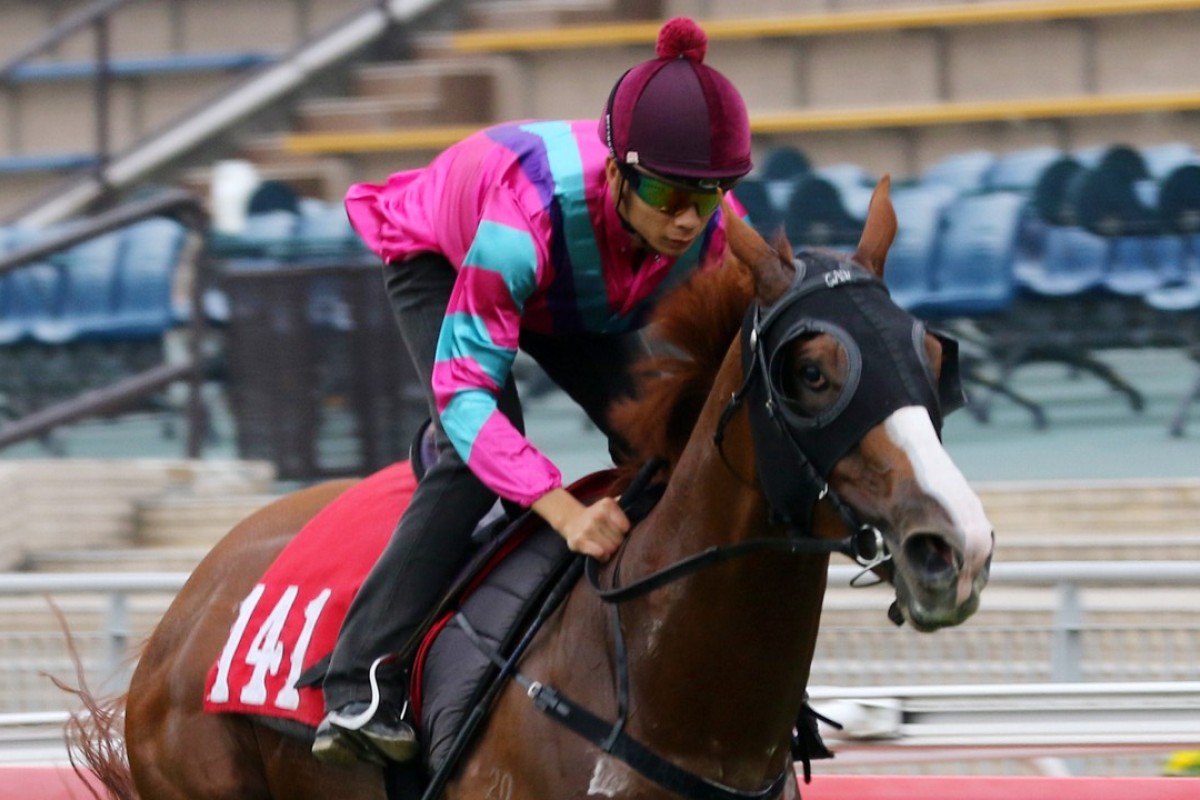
(846, 393)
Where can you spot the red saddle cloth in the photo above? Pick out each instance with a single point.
(290, 620)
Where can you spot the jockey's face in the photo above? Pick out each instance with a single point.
(672, 225)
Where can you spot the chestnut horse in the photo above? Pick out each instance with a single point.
(717, 658)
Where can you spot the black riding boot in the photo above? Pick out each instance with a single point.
(431, 542)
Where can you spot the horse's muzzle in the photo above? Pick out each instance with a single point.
(937, 585)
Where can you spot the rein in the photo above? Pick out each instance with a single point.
(790, 508)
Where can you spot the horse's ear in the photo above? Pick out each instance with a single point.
(880, 230)
(772, 271)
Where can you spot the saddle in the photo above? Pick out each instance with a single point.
(275, 657)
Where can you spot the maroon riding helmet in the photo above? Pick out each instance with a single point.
(676, 116)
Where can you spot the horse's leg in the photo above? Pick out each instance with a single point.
(178, 752)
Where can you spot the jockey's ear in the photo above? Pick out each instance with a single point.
(880, 230)
(772, 271)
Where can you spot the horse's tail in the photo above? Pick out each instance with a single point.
(94, 735)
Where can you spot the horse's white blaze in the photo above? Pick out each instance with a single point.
(912, 431)
(610, 778)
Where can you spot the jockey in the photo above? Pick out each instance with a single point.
(542, 236)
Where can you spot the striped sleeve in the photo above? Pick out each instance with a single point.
(476, 348)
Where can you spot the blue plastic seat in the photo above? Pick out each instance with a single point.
(909, 270)
(145, 276)
(1179, 200)
(1072, 261)
(964, 172)
(1140, 264)
(973, 272)
(1182, 291)
(88, 294)
(324, 229)
(271, 233)
(1020, 170)
(816, 215)
(755, 197)
(784, 163)
(1161, 160)
(855, 186)
(29, 294)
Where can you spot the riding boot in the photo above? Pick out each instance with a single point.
(366, 682)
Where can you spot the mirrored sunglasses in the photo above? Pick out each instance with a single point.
(671, 198)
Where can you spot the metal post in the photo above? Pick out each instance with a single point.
(103, 95)
(1067, 656)
(197, 412)
(117, 628)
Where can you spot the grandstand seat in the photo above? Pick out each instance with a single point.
(1120, 159)
(1107, 201)
(910, 259)
(267, 235)
(854, 184)
(145, 276)
(1021, 170)
(1136, 265)
(1161, 160)
(1182, 293)
(784, 164)
(962, 171)
(1051, 196)
(1072, 261)
(973, 272)
(89, 283)
(28, 295)
(755, 197)
(816, 215)
(1179, 200)
(324, 229)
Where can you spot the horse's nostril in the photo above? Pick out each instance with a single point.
(930, 553)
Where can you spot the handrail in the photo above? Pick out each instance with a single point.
(174, 202)
(821, 24)
(189, 209)
(1045, 573)
(1053, 573)
(68, 27)
(273, 81)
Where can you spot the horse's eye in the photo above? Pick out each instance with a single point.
(812, 378)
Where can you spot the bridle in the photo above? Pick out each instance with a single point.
(783, 444)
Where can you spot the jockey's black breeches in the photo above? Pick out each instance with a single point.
(433, 538)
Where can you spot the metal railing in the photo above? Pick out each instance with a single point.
(189, 210)
(1059, 648)
(291, 71)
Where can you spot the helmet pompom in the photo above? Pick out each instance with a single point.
(681, 36)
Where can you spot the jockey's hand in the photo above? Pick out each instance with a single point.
(596, 530)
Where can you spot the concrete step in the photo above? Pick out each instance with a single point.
(192, 522)
(1112, 506)
(369, 113)
(115, 559)
(70, 503)
(503, 14)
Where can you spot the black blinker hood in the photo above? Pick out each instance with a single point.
(888, 370)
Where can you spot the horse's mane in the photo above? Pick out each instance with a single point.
(691, 332)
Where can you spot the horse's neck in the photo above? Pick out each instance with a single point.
(736, 638)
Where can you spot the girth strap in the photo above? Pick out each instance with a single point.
(646, 762)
